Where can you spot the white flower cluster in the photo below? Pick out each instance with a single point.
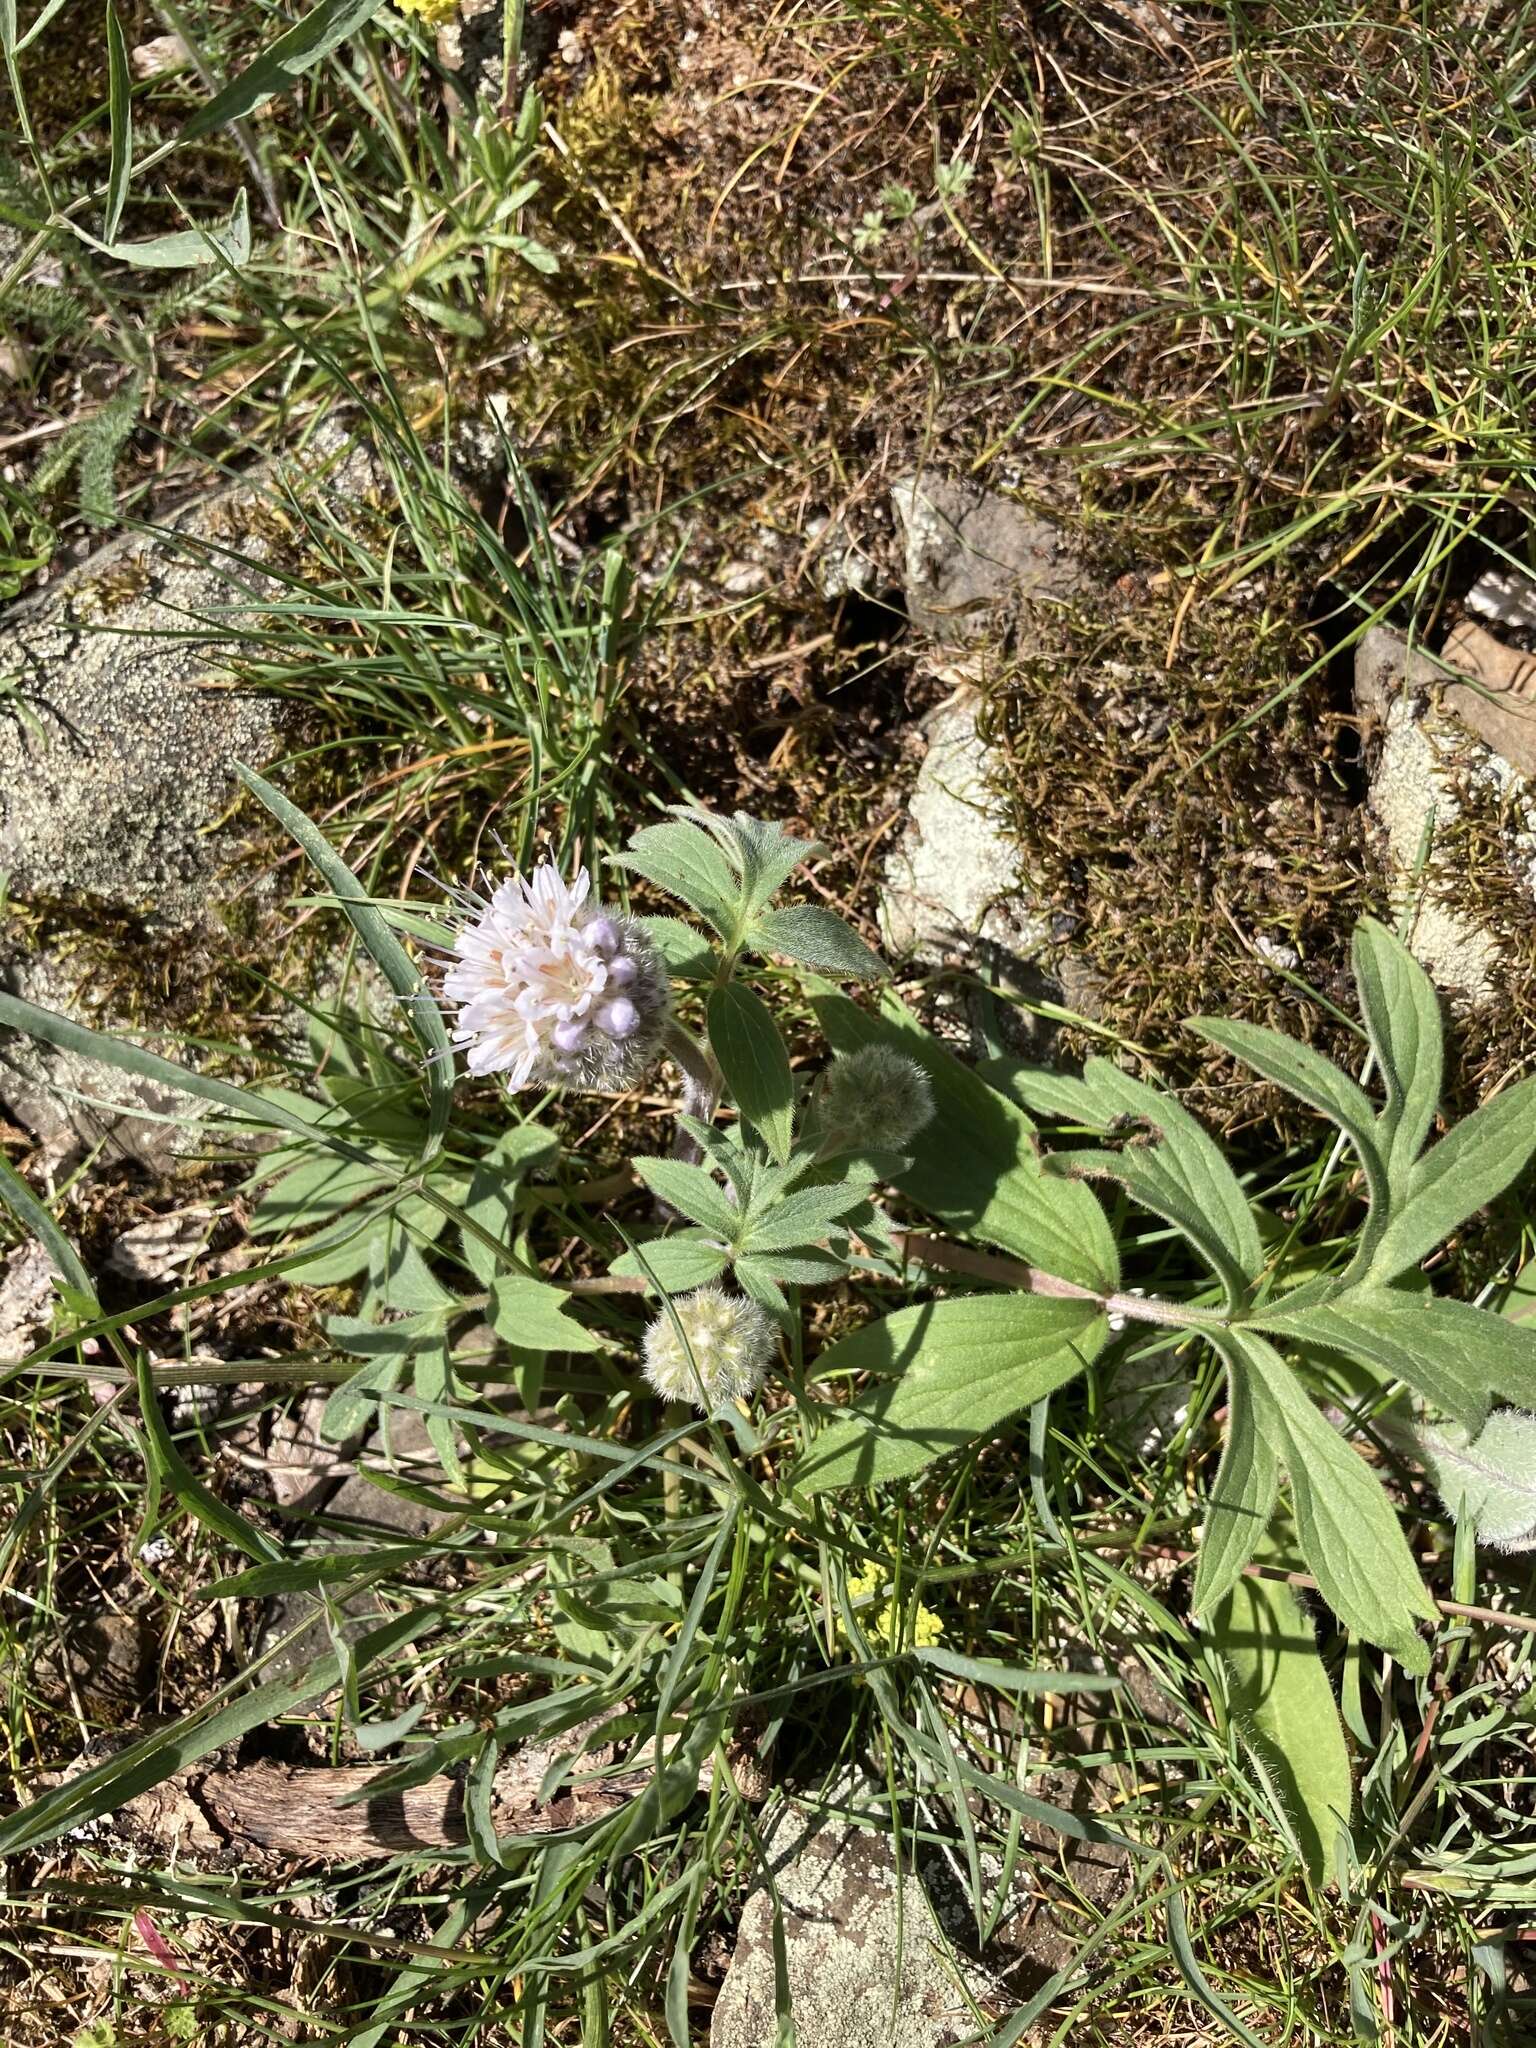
(709, 1347)
(552, 990)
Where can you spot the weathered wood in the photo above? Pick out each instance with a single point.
(316, 1813)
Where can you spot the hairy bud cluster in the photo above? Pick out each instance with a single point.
(709, 1347)
(874, 1100)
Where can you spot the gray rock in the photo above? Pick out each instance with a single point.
(117, 720)
(71, 1105)
(952, 885)
(1413, 797)
(117, 732)
(970, 556)
(26, 1299)
(868, 1963)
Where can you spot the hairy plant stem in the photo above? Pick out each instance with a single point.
(703, 1084)
(1141, 1308)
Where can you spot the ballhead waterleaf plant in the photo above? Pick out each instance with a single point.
(775, 1184)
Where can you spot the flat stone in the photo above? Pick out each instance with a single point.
(971, 555)
(869, 1965)
(1499, 703)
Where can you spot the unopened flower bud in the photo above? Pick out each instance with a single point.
(709, 1347)
(874, 1100)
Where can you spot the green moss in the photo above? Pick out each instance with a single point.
(1186, 856)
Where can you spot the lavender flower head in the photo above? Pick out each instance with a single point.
(552, 989)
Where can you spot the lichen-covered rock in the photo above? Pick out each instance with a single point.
(953, 879)
(869, 1966)
(71, 1105)
(118, 722)
(1414, 799)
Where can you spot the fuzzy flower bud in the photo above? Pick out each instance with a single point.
(552, 990)
(709, 1347)
(874, 1100)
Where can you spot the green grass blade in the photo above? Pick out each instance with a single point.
(384, 949)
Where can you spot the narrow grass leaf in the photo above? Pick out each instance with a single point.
(188, 248)
(149, 1762)
(120, 115)
(68, 1036)
(383, 948)
(295, 51)
(948, 1373)
(79, 1290)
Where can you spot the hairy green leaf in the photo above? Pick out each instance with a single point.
(1457, 1356)
(803, 1215)
(675, 1265)
(687, 952)
(1242, 1497)
(693, 1193)
(755, 1062)
(950, 1371)
(976, 1166)
(1285, 1711)
(1347, 1527)
(686, 862)
(1470, 1167)
(1402, 1015)
(1311, 1079)
(1490, 1480)
(492, 1199)
(536, 1317)
(816, 938)
(1185, 1160)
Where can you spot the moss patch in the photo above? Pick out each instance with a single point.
(1193, 862)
